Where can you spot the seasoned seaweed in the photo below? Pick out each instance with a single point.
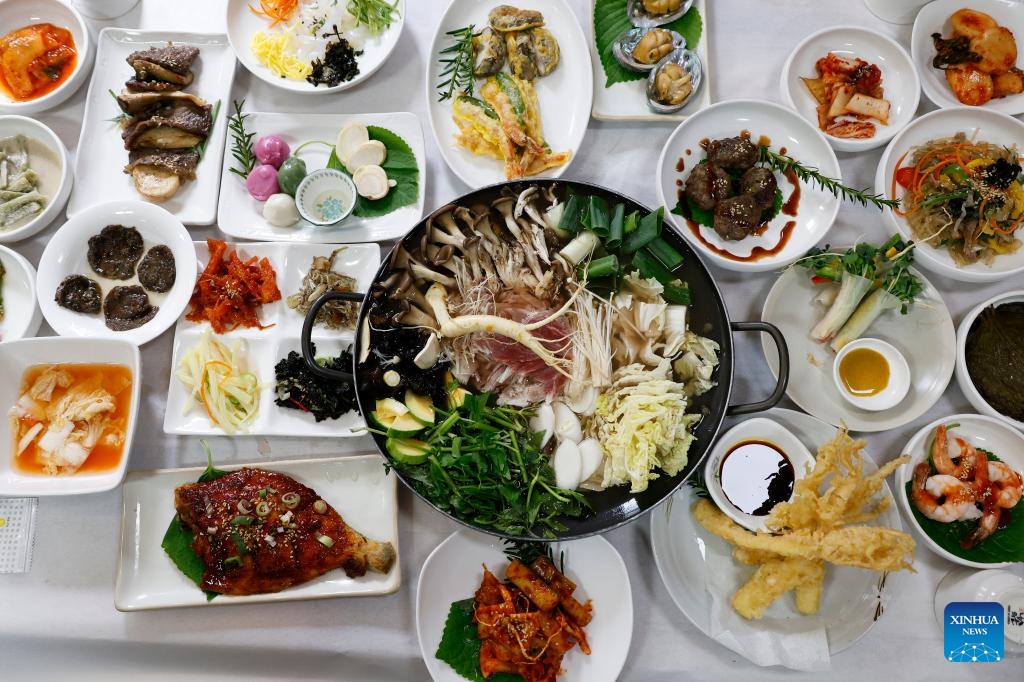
(300, 389)
(995, 357)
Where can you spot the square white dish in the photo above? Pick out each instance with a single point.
(239, 215)
(16, 357)
(357, 487)
(628, 101)
(265, 347)
(101, 156)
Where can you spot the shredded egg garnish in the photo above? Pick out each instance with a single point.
(277, 53)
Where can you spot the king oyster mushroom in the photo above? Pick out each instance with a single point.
(522, 55)
(372, 182)
(545, 51)
(506, 18)
(489, 53)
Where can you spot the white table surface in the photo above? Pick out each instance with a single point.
(59, 619)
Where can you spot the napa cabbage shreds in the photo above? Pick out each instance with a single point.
(642, 425)
(696, 365)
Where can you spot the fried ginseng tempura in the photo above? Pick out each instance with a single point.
(816, 526)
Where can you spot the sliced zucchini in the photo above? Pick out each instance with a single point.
(407, 450)
(387, 410)
(404, 426)
(420, 407)
(457, 396)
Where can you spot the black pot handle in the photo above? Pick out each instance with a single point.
(780, 386)
(306, 339)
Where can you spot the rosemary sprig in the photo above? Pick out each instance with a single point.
(122, 118)
(457, 58)
(783, 163)
(241, 142)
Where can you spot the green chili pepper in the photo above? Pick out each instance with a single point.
(290, 174)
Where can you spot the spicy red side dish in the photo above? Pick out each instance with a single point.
(35, 60)
(229, 290)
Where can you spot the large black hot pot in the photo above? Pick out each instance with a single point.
(707, 316)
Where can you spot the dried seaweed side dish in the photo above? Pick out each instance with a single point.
(995, 358)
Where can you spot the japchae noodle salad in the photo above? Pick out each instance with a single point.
(964, 196)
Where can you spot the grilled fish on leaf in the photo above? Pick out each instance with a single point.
(289, 537)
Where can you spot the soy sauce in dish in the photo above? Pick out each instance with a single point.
(756, 475)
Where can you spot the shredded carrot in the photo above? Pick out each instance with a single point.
(276, 10)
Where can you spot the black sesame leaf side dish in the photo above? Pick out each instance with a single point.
(298, 388)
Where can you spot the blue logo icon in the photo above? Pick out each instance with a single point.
(973, 632)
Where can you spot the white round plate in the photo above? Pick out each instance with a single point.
(899, 79)
(934, 18)
(968, 584)
(21, 318)
(564, 95)
(786, 130)
(453, 572)
(853, 598)
(925, 336)
(242, 23)
(55, 177)
(66, 254)
(980, 124)
(963, 377)
(15, 14)
(984, 433)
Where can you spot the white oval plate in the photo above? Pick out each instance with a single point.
(242, 23)
(899, 79)
(985, 433)
(21, 318)
(925, 336)
(453, 572)
(565, 95)
(853, 598)
(934, 18)
(239, 215)
(786, 129)
(66, 254)
(981, 124)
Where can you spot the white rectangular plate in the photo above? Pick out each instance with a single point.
(239, 215)
(628, 101)
(101, 156)
(357, 487)
(263, 348)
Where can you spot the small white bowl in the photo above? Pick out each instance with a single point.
(755, 429)
(984, 433)
(963, 377)
(18, 291)
(66, 254)
(317, 193)
(899, 376)
(899, 79)
(56, 182)
(15, 14)
(15, 358)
